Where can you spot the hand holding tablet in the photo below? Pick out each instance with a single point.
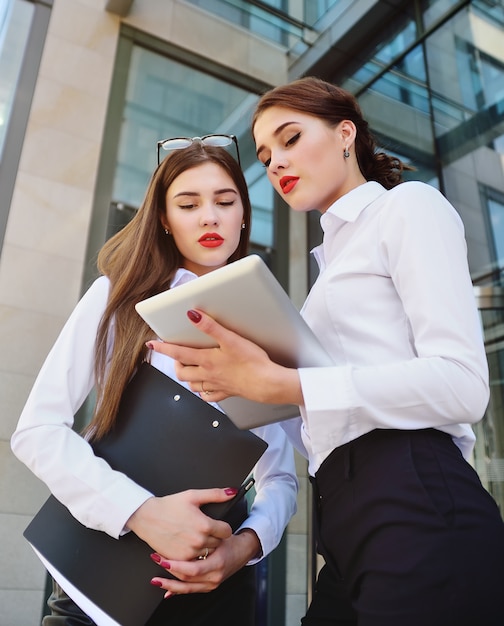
(245, 297)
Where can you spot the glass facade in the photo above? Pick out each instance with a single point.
(15, 22)
(429, 75)
(433, 91)
(166, 98)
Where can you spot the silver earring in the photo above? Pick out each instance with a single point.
(167, 232)
(346, 154)
(243, 226)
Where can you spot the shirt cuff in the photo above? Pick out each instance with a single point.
(262, 528)
(329, 406)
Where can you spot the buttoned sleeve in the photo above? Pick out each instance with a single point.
(276, 489)
(99, 497)
(412, 354)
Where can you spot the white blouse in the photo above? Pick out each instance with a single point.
(98, 496)
(394, 306)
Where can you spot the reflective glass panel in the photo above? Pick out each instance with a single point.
(489, 449)
(15, 21)
(397, 106)
(165, 98)
(495, 205)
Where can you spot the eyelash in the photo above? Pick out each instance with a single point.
(222, 203)
(293, 139)
(288, 144)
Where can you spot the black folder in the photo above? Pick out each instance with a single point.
(168, 440)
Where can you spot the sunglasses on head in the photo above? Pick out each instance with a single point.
(179, 143)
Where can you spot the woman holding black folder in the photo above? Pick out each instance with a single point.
(195, 218)
(408, 532)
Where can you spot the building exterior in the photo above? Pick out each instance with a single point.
(87, 87)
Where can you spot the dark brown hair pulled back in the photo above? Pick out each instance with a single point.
(332, 104)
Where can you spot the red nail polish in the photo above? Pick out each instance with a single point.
(156, 583)
(230, 491)
(194, 316)
(150, 345)
(155, 557)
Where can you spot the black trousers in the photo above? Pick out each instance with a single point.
(409, 535)
(231, 604)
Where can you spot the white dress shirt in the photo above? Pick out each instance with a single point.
(394, 306)
(98, 496)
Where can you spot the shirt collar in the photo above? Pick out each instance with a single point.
(182, 276)
(346, 209)
(350, 206)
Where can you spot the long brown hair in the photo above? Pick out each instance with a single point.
(140, 261)
(332, 104)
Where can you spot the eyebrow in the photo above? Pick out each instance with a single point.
(196, 193)
(275, 134)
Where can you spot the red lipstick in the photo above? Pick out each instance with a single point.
(287, 183)
(211, 240)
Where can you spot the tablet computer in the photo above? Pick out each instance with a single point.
(245, 297)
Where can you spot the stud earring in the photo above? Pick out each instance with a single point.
(346, 154)
(167, 232)
(243, 226)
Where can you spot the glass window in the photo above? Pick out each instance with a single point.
(490, 9)
(489, 449)
(481, 76)
(397, 107)
(380, 51)
(315, 9)
(434, 10)
(493, 200)
(258, 19)
(15, 22)
(466, 69)
(166, 98)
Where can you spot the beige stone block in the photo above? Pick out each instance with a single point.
(267, 60)
(299, 522)
(69, 109)
(209, 36)
(85, 24)
(72, 64)
(296, 564)
(56, 155)
(14, 389)
(49, 217)
(24, 570)
(21, 492)
(38, 281)
(20, 608)
(35, 332)
(152, 16)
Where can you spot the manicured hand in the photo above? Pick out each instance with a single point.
(174, 525)
(236, 367)
(203, 575)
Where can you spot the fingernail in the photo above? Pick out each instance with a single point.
(150, 345)
(160, 561)
(194, 316)
(230, 491)
(156, 583)
(168, 594)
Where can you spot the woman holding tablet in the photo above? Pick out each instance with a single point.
(195, 218)
(409, 534)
